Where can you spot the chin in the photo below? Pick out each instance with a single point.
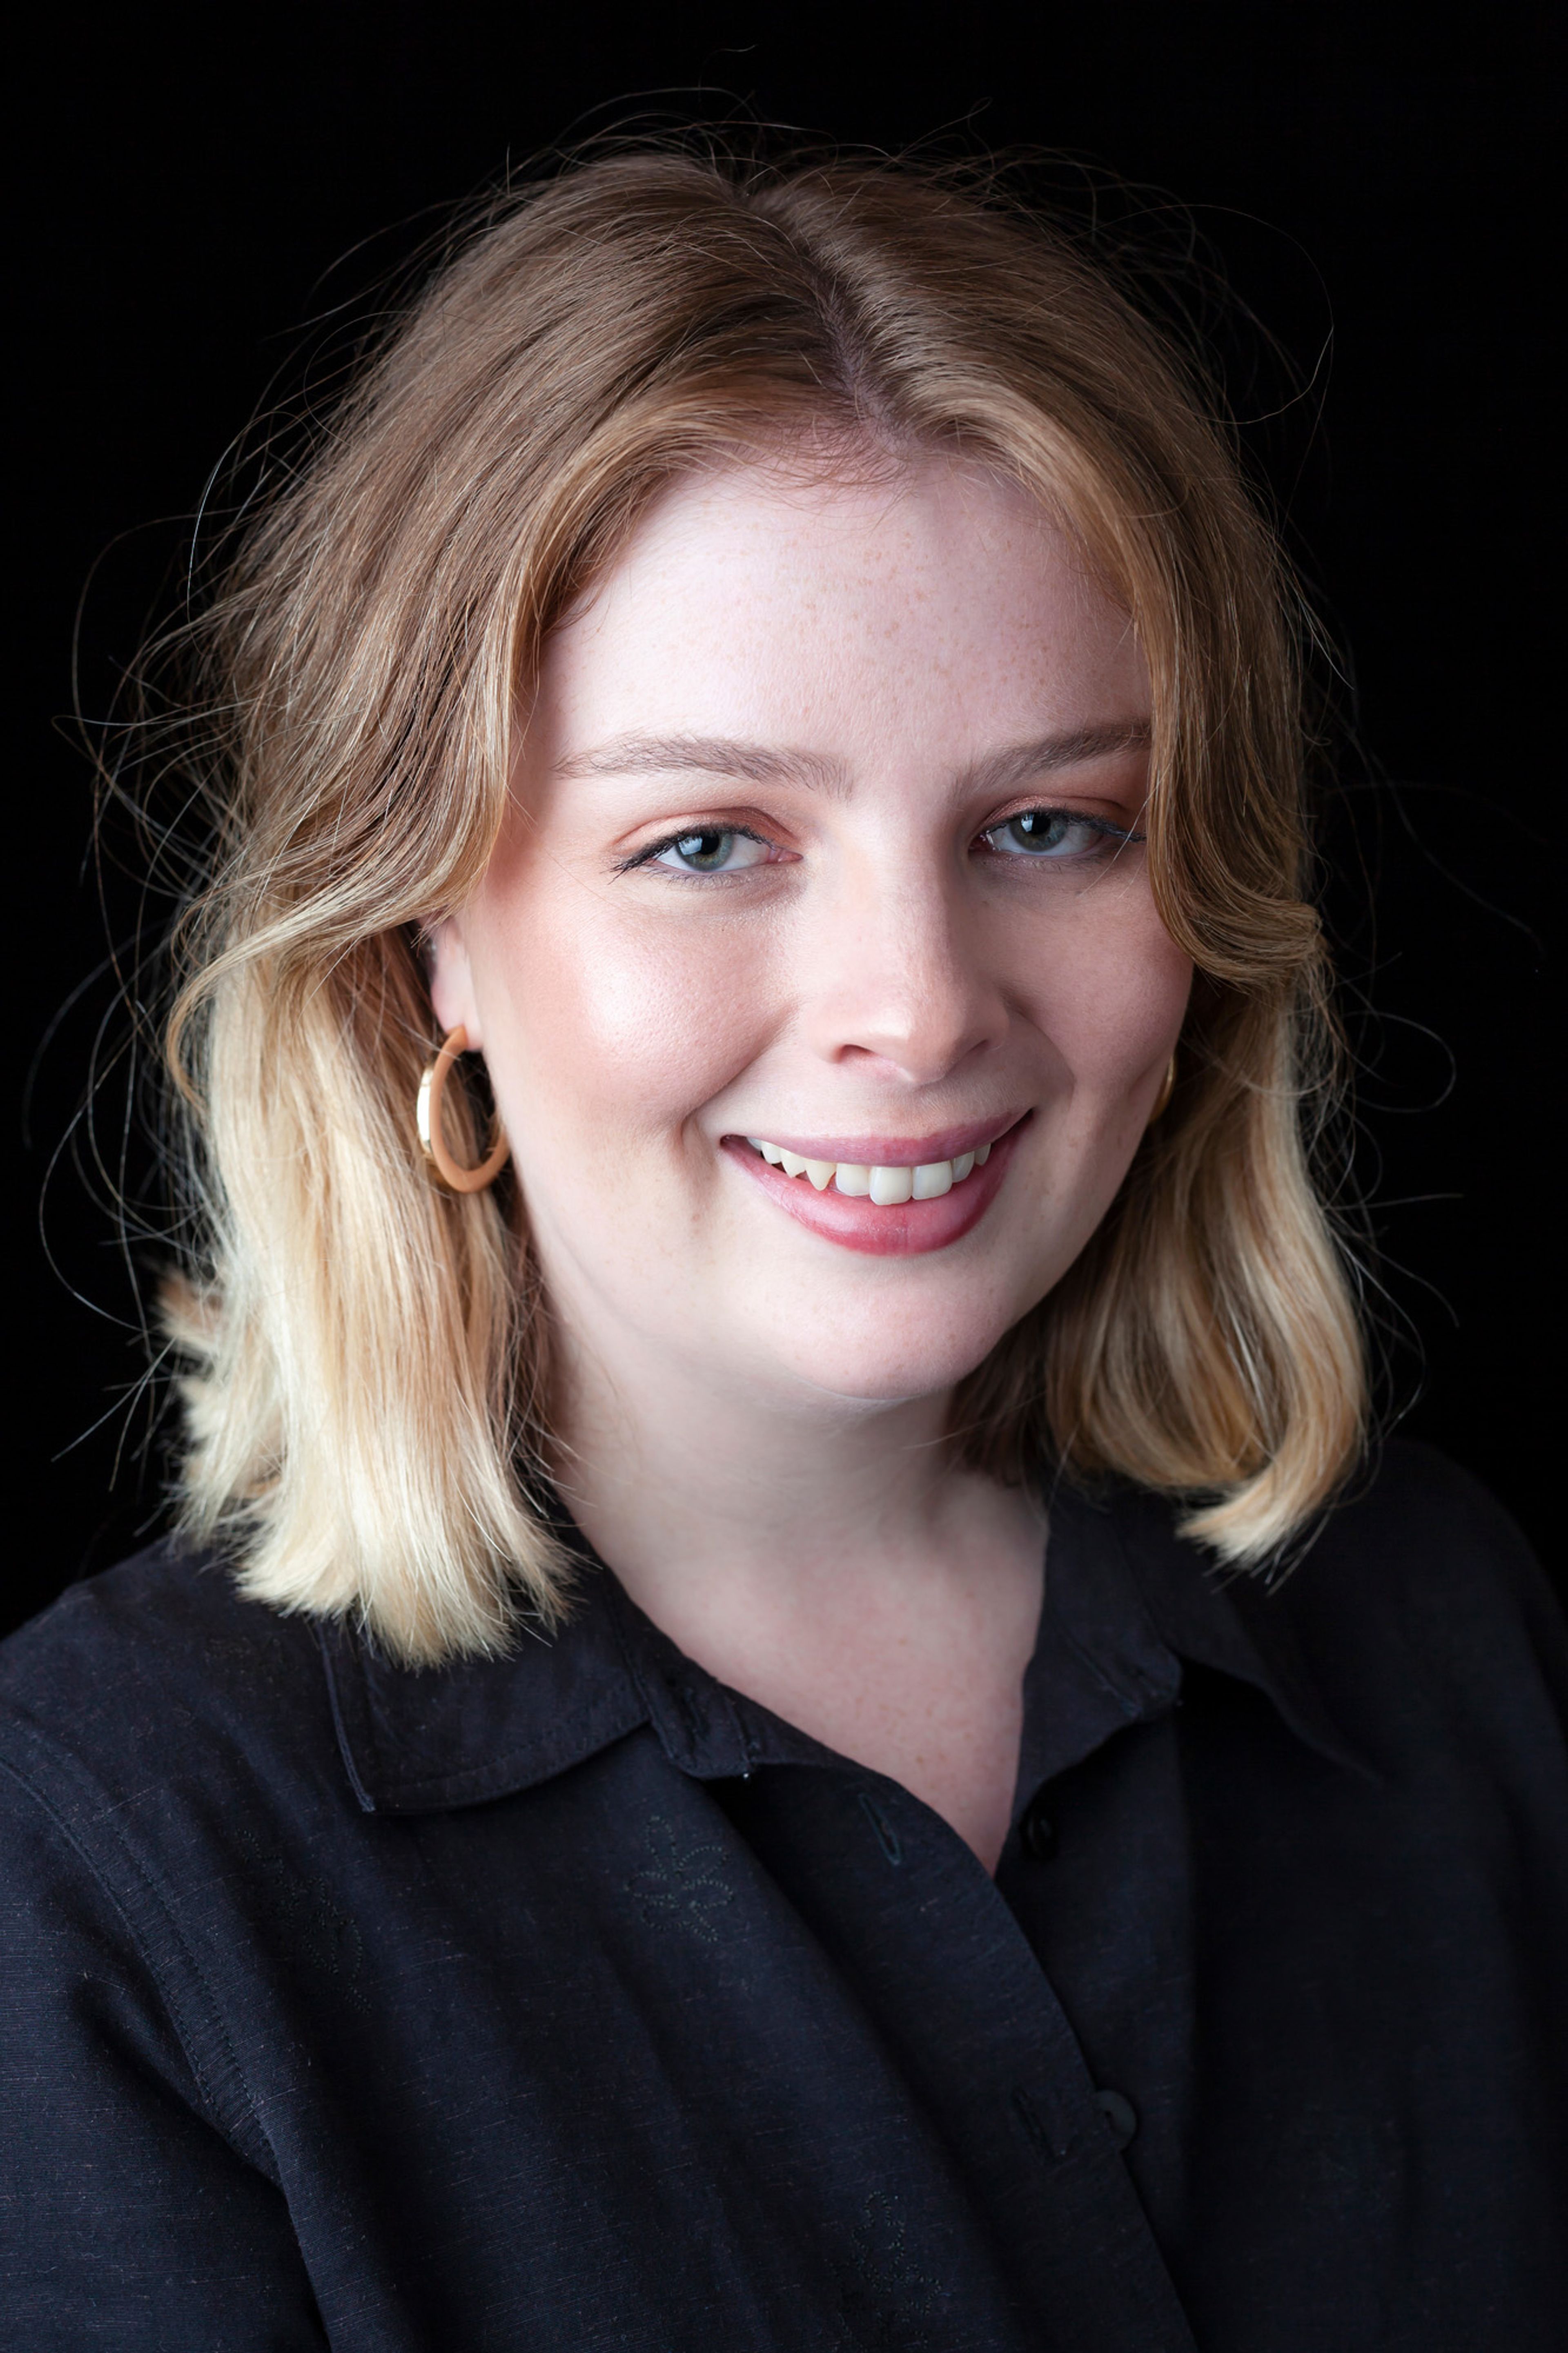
(871, 1367)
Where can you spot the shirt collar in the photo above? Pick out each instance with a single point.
(1210, 1616)
(420, 1740)
(1125, 1604)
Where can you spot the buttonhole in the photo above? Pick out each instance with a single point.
(1047, 2143)
(887, 1836)
(1039, 1834)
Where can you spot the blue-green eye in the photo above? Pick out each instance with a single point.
(710, 850)
(1051, 833)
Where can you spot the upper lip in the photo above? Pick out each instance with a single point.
(894, 1151)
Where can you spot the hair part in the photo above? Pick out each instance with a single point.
(368, 1390)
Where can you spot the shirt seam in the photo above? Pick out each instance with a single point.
(230, 2120)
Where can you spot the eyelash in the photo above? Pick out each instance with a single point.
(685, 833)
(1113, 837)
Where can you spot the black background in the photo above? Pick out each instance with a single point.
(1373, 181)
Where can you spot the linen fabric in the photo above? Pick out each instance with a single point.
(572, 2000)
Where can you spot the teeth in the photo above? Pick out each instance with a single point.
(886, 1186)
(891, 1186)
(933, 1180)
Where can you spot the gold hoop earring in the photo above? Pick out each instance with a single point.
(447, 1171)
(1167, 1088)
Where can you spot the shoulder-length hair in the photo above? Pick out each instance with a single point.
(368, 1392)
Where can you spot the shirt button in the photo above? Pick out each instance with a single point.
(1038, 1832)
(1120, 2114)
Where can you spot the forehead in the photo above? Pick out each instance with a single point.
(936, 594)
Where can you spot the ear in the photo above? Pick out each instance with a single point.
(452, 981)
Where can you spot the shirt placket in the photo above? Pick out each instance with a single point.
(911, 1919)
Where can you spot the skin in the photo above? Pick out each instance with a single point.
(752, 1410)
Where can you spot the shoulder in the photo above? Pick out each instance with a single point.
(1419, 1544)
(1427, 1621)
(170, 1623)
(169, 1773)
(1411, 1502)
(156, 1672)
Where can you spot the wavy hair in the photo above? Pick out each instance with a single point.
(368, 1385)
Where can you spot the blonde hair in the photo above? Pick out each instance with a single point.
(368, 1392)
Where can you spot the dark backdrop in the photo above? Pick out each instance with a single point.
(1372, 180)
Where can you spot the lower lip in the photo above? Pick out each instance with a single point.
(904, 1230)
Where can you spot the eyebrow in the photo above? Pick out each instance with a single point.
(1004, 771)
(714, 755)
(764, 764)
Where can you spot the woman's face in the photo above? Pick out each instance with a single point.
(826, 834)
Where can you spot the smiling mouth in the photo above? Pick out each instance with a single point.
(908, 1204)
(888, 1188)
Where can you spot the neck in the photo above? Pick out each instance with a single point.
(825, 1556)
(719, 1508)
(667, 1474)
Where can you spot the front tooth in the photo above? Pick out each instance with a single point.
(982, 1155)
(792, 1163)
(933, 1179)
(962, 1166)
(821, 1173)
(849, 1177)
(891, 1186)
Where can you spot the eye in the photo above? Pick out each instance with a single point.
(1052, 833)
(709, 849)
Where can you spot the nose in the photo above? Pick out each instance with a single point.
(898, 975)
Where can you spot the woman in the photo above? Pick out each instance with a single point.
(724, 1757)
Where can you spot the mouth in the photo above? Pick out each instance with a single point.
(888, 1197)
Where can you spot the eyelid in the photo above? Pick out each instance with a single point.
(683, 832)
(1027, 806)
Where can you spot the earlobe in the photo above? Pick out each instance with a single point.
(451, 981)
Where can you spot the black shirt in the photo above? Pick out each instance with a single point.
(572, 2000)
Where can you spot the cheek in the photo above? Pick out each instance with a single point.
(599, 1023)
(1111, 991)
